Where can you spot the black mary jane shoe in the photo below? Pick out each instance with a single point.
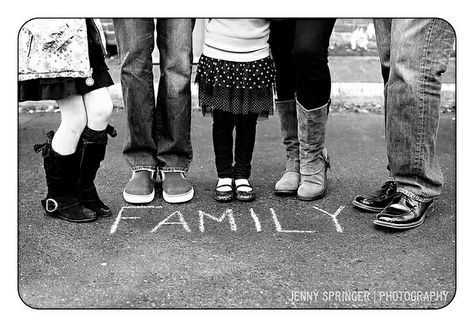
(404, 213)
(245, 196)
(377, 201)
(224, 196)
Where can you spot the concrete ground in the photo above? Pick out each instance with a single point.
(272, 253)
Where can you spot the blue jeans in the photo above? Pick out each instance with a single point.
(157, 135)
(413, 53)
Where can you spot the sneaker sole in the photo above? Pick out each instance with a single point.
(180, 198)
(407, 226)
(138, 199)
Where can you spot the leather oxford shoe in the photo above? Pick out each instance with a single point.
(404, 213)
(377, 201)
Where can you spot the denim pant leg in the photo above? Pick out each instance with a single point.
(419, 53)
(173, 119)
(135, 41)
(383, 29)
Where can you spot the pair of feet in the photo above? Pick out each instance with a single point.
(227, 189)
(306, 187)
(140, 188)
(395, 209)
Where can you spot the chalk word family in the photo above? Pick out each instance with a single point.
(227, 217)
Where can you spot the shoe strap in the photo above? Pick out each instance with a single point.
(247, 184)
(223, 185)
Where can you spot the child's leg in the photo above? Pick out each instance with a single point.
(62, 163)
(99, 108)
(73, 122)
(222, 138)
(244, 144)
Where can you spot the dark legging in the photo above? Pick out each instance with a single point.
(222, 137)
(300, 51)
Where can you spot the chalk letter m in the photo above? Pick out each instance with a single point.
(227, 213)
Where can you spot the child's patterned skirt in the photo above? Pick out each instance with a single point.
(236, 87)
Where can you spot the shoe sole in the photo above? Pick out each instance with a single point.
(407, 226)
(224, 201)
(181, 198)
(366, 208)
(105, 215)
(71, 220)
(138, 199)
(285, 193)
(228, 199)
(245, 199)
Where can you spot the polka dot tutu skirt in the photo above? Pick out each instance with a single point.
(237, 87)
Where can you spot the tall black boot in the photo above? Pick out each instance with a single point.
(94, 144)
(62, 174)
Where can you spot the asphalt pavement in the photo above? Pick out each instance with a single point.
(272, 253)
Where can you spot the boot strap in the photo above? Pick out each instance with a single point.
(327, 165)
(52, 205)
(46, 146)
(111, 131)
(55, 204)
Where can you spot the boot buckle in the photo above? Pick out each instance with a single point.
(47, 205)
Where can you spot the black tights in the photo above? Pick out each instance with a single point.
(300, 51)
(222, 137)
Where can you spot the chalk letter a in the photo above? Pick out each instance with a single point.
(181, 222)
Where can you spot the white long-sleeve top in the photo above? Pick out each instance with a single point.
(238, 40)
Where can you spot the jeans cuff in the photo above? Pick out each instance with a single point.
(174, 169)
(413, 196)
(137, 168)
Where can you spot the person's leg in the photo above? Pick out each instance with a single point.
(135, 40)
(245, 131)
(61, 154)
(310, 61)
(282, 35)
(383, 35)
(419, 53)
(281, 40)
(99, 107)
(313, 88)
(377, 200)
(223, 143)
(173, 118)
(222, 138)
(73, 122)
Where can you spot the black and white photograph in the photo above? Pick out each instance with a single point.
(236, 163)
